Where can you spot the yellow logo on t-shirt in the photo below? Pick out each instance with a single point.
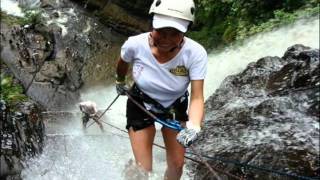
(180, 71)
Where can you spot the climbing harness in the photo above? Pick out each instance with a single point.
(167, 116)
(137, 93)
(172, 123)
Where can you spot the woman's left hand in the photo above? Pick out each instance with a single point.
(196, 110)
(187, 136)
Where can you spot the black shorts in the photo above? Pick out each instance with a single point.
(138, 119)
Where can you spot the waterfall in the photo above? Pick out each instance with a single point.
(72, 154)
(29, 3)
(234, 59)
(11, 7)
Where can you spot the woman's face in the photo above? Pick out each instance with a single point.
(166, 39)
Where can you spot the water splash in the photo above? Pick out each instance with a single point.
(71, 153)
(29, 3)
(11, 7)
(61, 21)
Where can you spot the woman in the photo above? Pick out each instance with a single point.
(164, 62)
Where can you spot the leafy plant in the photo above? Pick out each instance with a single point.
(9, 19)
(32, 16)
(11, 92)
(220, 22)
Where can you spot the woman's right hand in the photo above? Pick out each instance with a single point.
(121, 87)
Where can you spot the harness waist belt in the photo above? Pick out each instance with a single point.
(136, 92)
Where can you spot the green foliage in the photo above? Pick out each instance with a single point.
(280, 18)
(10, 92)
(229, 34)
(32, 16)
(220, 22)
(10, 20)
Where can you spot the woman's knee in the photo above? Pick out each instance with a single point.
(174, 170)
(141, 143)
(176, 164)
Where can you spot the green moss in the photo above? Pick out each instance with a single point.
(10, 20)
(280, 18)
(229, 34)
(32, 16)
(11, 91)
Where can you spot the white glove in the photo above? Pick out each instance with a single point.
(188, 135)
(88, 107)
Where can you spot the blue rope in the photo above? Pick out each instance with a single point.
(173, 124)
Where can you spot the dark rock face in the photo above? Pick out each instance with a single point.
(266, 116)
(21, 137)
(126, 17)
(53, 59)
(31, 56)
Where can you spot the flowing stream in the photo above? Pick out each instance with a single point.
(70, 153)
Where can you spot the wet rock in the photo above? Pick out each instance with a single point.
(21, 135)
(126, 17)
(52, 70)
(55, 14)
(266, 116)
(33, 58)
(60, 52)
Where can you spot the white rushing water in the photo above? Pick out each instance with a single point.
(97, 155)
(11, 7)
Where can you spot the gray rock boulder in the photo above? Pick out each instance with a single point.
(21, 135)
(266, 116)
(63, 51)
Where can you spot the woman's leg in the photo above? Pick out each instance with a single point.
(175, 154)
(141, 143)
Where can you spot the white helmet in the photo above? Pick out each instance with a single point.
(183, 9)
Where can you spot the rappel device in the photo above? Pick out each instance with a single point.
(170, 123)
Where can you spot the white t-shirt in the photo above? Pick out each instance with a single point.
(168, 81)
